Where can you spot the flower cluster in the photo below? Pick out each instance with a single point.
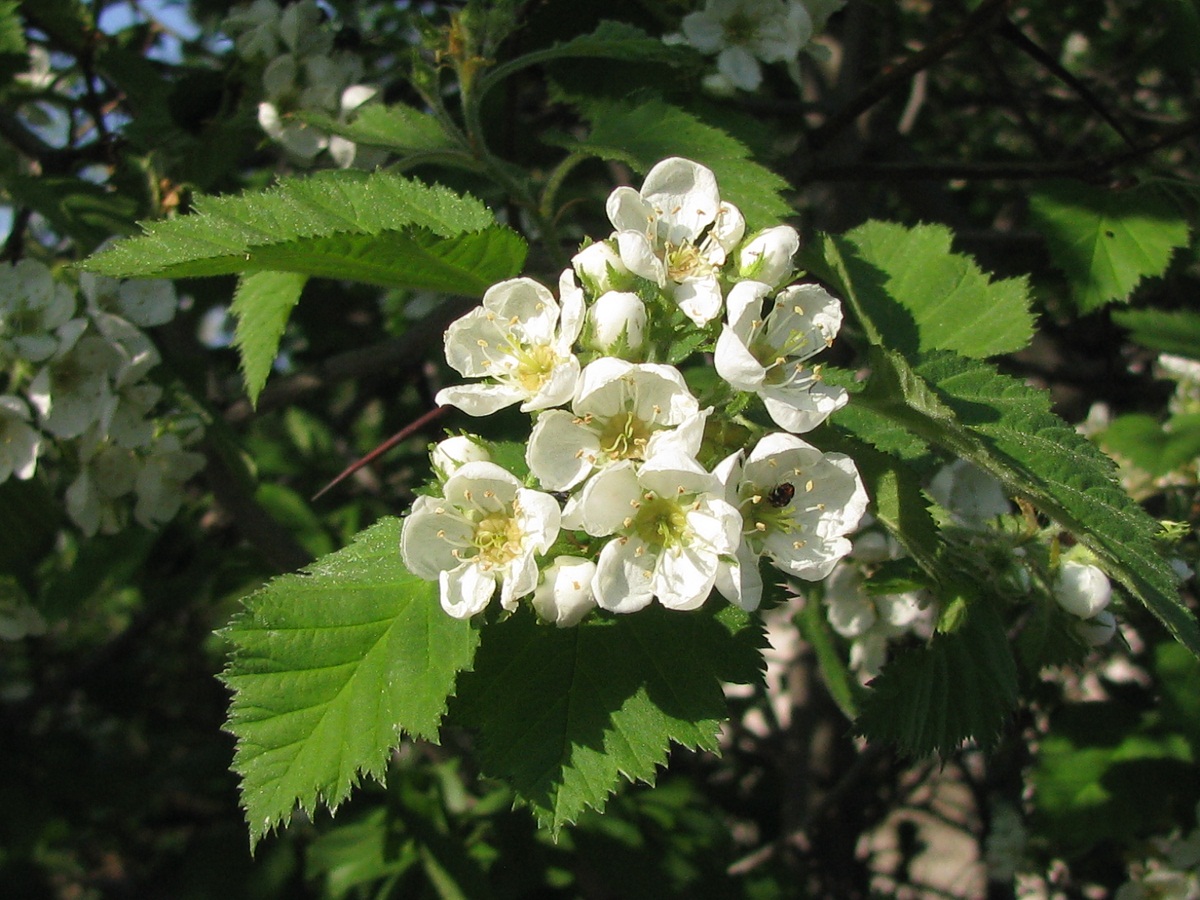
(77, 390)
(743, 34)
(618, 510)
(302, 72)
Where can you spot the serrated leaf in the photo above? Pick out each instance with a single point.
(1146, 443)
(1006, 428)
(329, 667)
(643, 134)
(924, 297)
(378, 228)
(1106, 241)
(610, 40)
(1175, 332)
(564, 714)
(397, 127)
(961, 685)
(262, 303)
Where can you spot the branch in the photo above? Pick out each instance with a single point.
(891, 79)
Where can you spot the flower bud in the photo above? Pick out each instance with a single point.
(1097, 630)
(1082, 590)
(448, 455)
(767, 257)
(565, 595)
(600, 269)
(616, 315)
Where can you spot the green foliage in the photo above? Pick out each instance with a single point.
(396, 127)
(1107, 241)
(12, 40)
(1171, 332)
(76, 207)
(564, 715)
(329, 668)
(262, 304)
(922, 297)
(379, 228)
(641, 134)
(962, 685)
(1151, 445)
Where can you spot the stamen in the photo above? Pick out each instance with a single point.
(759, 526)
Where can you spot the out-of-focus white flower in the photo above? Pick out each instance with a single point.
(797, 506)
(450, 454)
(1160, 884)
(485, 531)
(520, 340)
(767, 257)
(621, 411)
(1186, 373)
(144, 302)
(677, 232)
(671, 529)
(1082, 589)
(871, 621)
(600, 269)
(767, 354)
(1097, 630)
(73, 390)
(742, 32)
(160, 479)
(20, 443)
(106, 474)
(617, 320)
(18, 618)
(971, 495)
(33, 306)
(565, 595)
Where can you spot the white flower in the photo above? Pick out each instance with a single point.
(255, 28)
(797, 506)
(672, 527)
(621, 411)
(971, 495)
(32, 307)
(676, 232)
(742, 32)
(766, 355)
(600, 269)
(616, 320)
(767, 257)
(18, 618)
(521, 340)
(449, 455)
(485, 531)
(871, 620)
(1082, 589)
(144, 302)
(160, 480)
(565, 595)
(107, 473)
(73, 390)
(20, 443)
(1097, 630)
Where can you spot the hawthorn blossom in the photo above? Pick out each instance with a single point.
(767, 355)
(741, 33)
(160, 479)
(871, 621)
(621, 411)
(34, 311)
(671, 528)
(20, 442)
(565, 595)
(600, 269)
(767, 256)
(521, 340)
(449, 455)
(797, 506)
(616, 322)
(971, 495)
(484, 532)
(1081, 589)
(146, 302)
(676, 232)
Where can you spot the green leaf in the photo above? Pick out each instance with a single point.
(397, 127)
(962, 685)
(564, 714)
(1175, 332)
(1006, 428)
(329, 667)
(643, 134)
(610, 40)
(262, 303)
(86, 212)
(13, 55)
(378, 228)
(843, 687)
(1150, 445)
(1106, 241)
(922, 296)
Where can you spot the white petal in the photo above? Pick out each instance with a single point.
(628, 211)
(565, 596)
(479, 399)
(428, 538)
(741, 68)
(703, 31)
(699, 298)
(483, 486)
(1082, 590)
(734, 362)
(623, 576)
(767, 257)
(639, 257)
(741, 583)
(561, 451)
(558, 387)
(685, 196)
(539, 518)
(466, 590)
(684, 576)
(571, 321)
(802, 411)
(608, 497)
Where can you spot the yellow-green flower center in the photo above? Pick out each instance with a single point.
(684, 261)
(660, 521)
(498, 538)
(534, 365)
(624, 436)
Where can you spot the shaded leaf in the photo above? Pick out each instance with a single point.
(565, 714)
(329, 667)
(1171, 332)
(1150, 445)
(396, 126)
(1107, 241)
